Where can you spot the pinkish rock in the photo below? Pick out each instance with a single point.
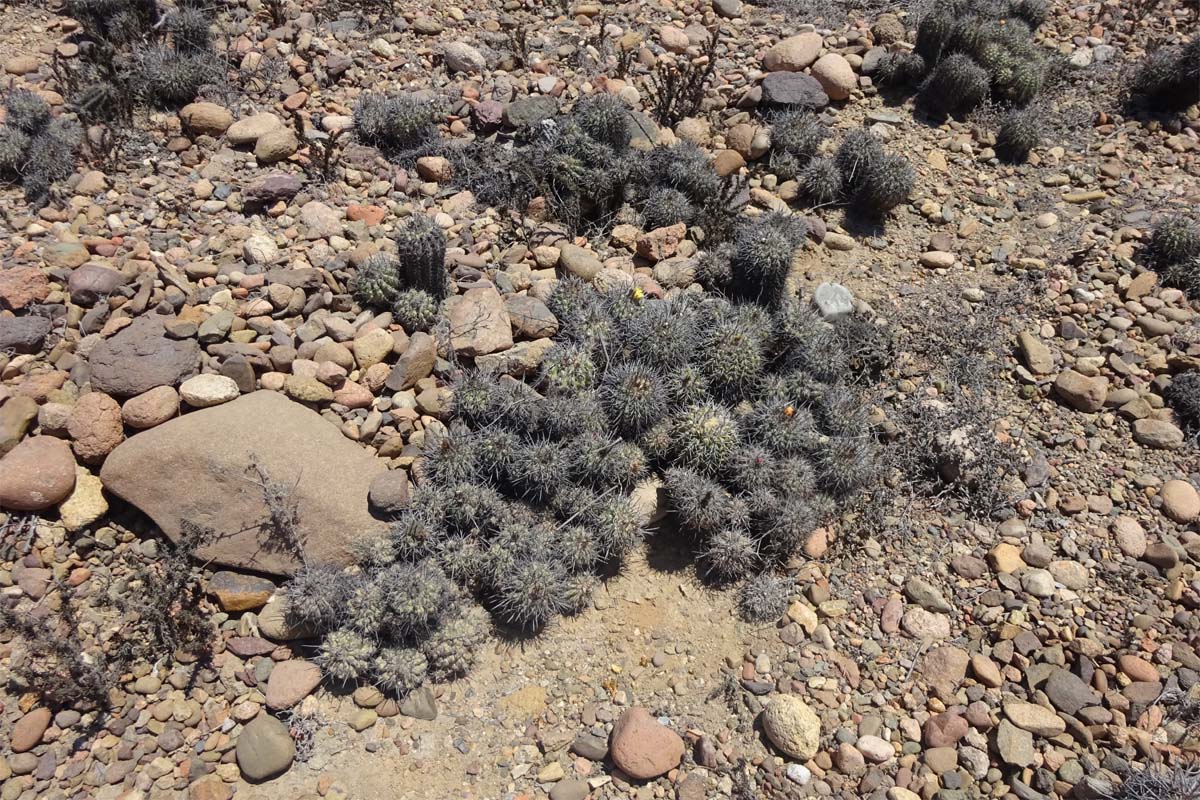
(291, 682)
(36, 474)
(642, 747)
(27, 733)
(151, 408)
(20, 286)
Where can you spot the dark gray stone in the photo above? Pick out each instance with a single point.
(1068, 692)
(141, 357)
(590, 746)
(526, 111)
(793, 89)
(389, 492)
(23, 334)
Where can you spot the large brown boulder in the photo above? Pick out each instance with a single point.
(200, 468)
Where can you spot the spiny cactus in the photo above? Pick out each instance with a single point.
(167, 78)
(400, 670)
(452, 650)
(782, 427)
(377, 282)
(855, 156)
(190, 30)
(705, 437)
(764, 598)
(1174, 241)
(1019, 133)
(13, 145)
(605, 119)
(474, 394)
(413, 535)
(450, 455)
(934, 34)
(1180, 781)
(394, 123)
(316, 597)
(421, 250)
(570, 298)
(1033, 12)
(1184, 397)
(366, 608)
(733, 353)
(956, 85)
(886, 184)
(537, 469)
(820, 182)
(568, 369)
(462, 558)
(796, 137)
(702, 505)
(845, 464)
(346, 656)
(633, 396)
(900, 69)
(763, 256)
(26, 112)
(1169, 78)
(415, 310)
(531, 593)
(663, 334)
(731, 554)
(617, 525)
(417, 595)
(666, 206)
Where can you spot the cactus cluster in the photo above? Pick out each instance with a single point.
(412, 284)
(968, 51)
(1184, 397)
(1168, 79)
(796, 138)
(36, 148)
(1020, 132)
(1174, 250)
(397, 124)
(137, 52)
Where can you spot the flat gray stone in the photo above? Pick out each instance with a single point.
(141, 357)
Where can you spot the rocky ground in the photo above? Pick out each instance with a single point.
(177, 342)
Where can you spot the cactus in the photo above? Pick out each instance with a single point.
(377, 282)
(820, 182)
(617, 526)
(473, 398)
(417, 595)
(1019, 133)
(763, 257)
(538, 468)
(316, 596)
(665, 206)
(1174, 241)
(663, 334)
(167, 78)
(394, 123)
(463, 560)
(934, 34)
(855, 156)
(887, 183)
(702, 505)
(845, 464)
(901, 70)
(633, 396)
(421, 250)
(346, 656)
(752, 467)
(531, 593)
(764, 598)
(1169, 78)
(413, 535)
(782, 427)
(451, 650)
(623, 465)
(730, 555)
(604, 118)
(1033, 12)
(416, 310)
(190, 30)
(705, 437)
(568, 369)
(1183, 395)
(733, 351)
(26, 112)
(956, 85)
(796, 137)
(686, 386)
(450, 455)
(13, 146)
(366, 607)
(656, 442)
(789, 528)
(570, 298)
(400, 670)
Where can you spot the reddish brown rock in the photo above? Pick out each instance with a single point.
(27, 733)
(21, 286)
(36, 474)
(642, 747)
(237, 592)
(291, 682)
(96, 427)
